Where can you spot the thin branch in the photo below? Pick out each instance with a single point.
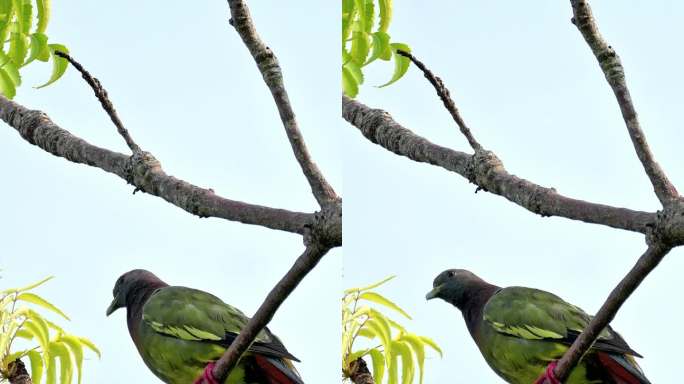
(145, 173)
(486, 171)
(270, 70)
(615, 74)
(646, 263)
(302, 266)
(101, 95)
(444, 95)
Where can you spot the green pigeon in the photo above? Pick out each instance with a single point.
(521, 332)
(180, 332)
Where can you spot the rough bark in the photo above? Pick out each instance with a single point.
(145, 173)
(268, 65)
(614, 72)
(18, 373)
(486, 170)
(359, 373)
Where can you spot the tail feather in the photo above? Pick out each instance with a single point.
(278, 371)
(622, 368)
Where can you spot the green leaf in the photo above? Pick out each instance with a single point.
(16, 356)
(382, 300)
(364, 17)
(34, 285)
(393, 376)
(350, 82)
(37, 300)
(66, 369)
(24, 334)
(378, 365)
(418, 349)
(380, 46)
(360, 47)
(407, 371)
(401, 63)
(39, 332)
(385, 15)
(369, 14)
(36, 366)
(90, 346)
(43, 15)
(76, 348)
(348, 13)
(432, 344)
(59, 64)
(357, 354)
(19, 8)
(369, 287)
(27, 17)
(51, 368)
(376, 328)
(18, 48)
(6, 15)
(39, 48)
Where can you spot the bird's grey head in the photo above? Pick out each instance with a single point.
(129, 285)
(454, 286)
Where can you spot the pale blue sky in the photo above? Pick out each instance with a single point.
(531, 90)
(189, 92)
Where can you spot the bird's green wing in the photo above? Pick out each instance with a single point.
(194, 315)
(533, 314)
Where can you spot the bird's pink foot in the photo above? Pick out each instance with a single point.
(548, 377)
(207, 376)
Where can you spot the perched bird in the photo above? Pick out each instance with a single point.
(520, 331)
(180, 332)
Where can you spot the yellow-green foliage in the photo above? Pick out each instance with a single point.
(362, 320)
(363, 42)
(47, 342)
(23, 26)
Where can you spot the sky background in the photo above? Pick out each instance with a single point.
(530, 89)
(189, 92)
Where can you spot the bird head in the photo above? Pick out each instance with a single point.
(454, 286)
(129, 285)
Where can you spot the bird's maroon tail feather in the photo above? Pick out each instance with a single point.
(621, 371)
(277, 371)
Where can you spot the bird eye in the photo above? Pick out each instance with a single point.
(452, 273)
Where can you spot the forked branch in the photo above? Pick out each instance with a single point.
(664, 229)
(486, 171)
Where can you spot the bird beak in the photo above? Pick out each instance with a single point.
(114, 305)
(434, 293)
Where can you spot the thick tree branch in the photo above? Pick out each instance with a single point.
(646, 263)
(18, 373)
(102, 96)
(615, 74)
(144, 172)
(270, 70)
(486, 171)
(359, 373)
(302, 266)
(444, 95)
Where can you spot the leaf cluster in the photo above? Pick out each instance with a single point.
(23, 26)
(52, 343)
(396, 343)
(363, 43)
